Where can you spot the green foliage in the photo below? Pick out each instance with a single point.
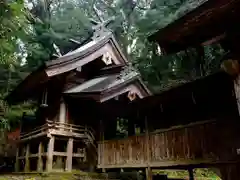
(122, 127)
(12, 27)
(204, 173)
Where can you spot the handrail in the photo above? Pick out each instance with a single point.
(90, 134)
(92, 130)
(158, 131)
(88, 131)
(62, 123)
(69, 128)
(169, 148)
(183, 126)
(36, 128)
(39, 129)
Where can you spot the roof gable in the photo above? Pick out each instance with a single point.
(87, 53)
(110, 86)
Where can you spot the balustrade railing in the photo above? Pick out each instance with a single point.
(206, 142)
(60, 128)
(36, 131)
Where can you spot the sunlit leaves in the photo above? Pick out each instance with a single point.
(12, 25)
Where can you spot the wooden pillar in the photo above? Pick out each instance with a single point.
(50, 150)
(148, 173)
(17, 161)
(62, 112)
(147, 142)
(102, 145)
(40, 163)
(69, 154)
(237, 92)
(27, 165)
(148, 169)
(191, 174)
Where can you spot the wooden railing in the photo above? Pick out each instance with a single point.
(38, 131)
(206, 142)
(59, 128)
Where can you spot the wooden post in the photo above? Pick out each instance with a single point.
(102, 144)
(69, 154)
(26, 168)
(17, 161)
(237, 92)
(99, 152)
(148, 169)
(130, 151)
(191, 174)
(62, 112)
(50, 153)
(148, 173)
(147, 142)
(85, 154)
(40, 163)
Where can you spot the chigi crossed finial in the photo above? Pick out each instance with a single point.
(100, 29)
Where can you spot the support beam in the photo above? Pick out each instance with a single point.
(17, 161)
(69, 154)
(50, 153)
(40, 162)
(27, 165)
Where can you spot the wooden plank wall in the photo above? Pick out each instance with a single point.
(201, 143)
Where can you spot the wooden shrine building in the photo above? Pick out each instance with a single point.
(211, 22)
(74, 93)
(90, 115)
(195, 125)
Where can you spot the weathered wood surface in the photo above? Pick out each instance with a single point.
(62, 129)
(208, 142)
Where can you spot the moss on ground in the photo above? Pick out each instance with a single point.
(53, 176)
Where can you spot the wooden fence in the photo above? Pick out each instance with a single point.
(206, 142)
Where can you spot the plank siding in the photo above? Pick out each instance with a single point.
(210, 142)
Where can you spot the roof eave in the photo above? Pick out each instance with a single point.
(68, 59)
(19, 94)
(187, 31)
